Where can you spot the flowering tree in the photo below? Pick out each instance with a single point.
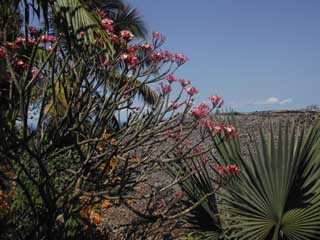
(75, 134)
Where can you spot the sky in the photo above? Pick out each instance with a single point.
(257, 54)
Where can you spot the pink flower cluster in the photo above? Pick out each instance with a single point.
(130, 58)
(146, 46)
(228, 130)
(107, 24)
(126, 35)
(228, 169)
(132, 49)
(207, 123)
(165, 88)
(2, 52)
(215, 100)
(171, 78)
(32, 30)
(218, 128)
(20, 64)
(200, 111)
(82, 34)
(180, 58)
(184, 82)
(48, 38)
(29, 41)
(158, 56)
(191, 90)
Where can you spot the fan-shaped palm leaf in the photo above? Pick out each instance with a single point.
(278, 194)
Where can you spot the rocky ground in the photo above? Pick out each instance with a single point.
(126, 225)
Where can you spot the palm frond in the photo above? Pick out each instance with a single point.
(278, 194)
(198, 187)
(146, 92)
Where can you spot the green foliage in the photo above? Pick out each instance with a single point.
(200, 190)
(278, 193)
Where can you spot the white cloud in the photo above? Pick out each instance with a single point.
(274, 101)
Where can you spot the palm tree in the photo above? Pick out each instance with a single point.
(78, 15)
(277, 195)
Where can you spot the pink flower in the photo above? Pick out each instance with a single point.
(31, 41)
(158, 37)
(2, 52)
(107, 24)
(175, 105)
(20, 64)
(168, 56)
(32, 30)
(180, 58)
(191, 90)
(156, 56)
(147, 46)
(20, 40)
(215, 100)
(200, 111)
(230, 131)
(134, 60)
(230, 169)
(130, 59)
(132, 48)
(106, 21)
(113, 37)
(126, 35)
(48, 38)
(233, 169)
(220, 169)
(184, 82)
(207, 122)
(171, 78)
(218, 128)
(82, 34)
(165, 88)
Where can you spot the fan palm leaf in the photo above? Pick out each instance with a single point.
(277, 195)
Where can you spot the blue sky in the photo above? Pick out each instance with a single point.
(257, 54)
